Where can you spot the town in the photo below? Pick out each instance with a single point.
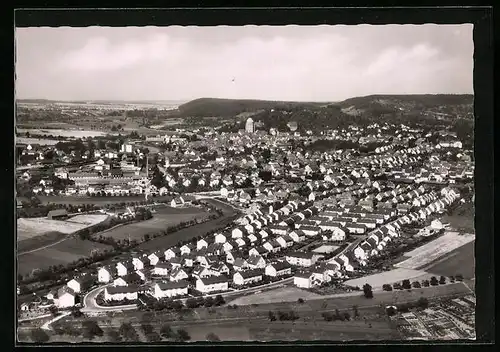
(327, 222)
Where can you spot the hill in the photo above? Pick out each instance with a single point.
(212, 107)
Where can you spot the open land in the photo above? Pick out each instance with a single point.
(462, 218)
(424, 255)
(376, 281)
(459, 261)
(162, 218)
(64, 252)
(325, 249)
(33, 227)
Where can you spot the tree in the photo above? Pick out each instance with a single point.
(219, 300)
(91, 329)
(423, 302)
(212, 337)
(425, 283)
(387, 287)
(128, 332)
(355, 311)
(271, 315)
(153, 336)
(182, 335)
(416, 284)
(406, 284)
(40, 336)
(113, 335)
(391, 310)
(434, 281)
(367, 290)
(459, 277)
(166, 331)
(54, 311)
(191, 303)
(177, 305)
(209, 301)
(442, 280)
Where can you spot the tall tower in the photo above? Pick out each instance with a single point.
(249, 126)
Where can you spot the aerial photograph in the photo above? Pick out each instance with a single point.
(262, 184)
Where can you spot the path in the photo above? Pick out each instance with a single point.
(46, 326)
(46, 246)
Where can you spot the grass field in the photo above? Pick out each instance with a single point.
(459, 261)
(285, 294)
(325, 249)
(462, 218)
(162, 218)
(61, 253)
(33, 227)
(429, 252)
(389, 277)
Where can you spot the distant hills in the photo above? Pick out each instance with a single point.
(213, 107)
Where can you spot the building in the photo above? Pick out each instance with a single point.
(119, 293)
(248, 276)
(106, 274)
(302, 259)
(278, 269)
(58, 214)
(250, 126)
(212, 284)
(81, 284)
(65, 297)
(170, 289)
(302, 280)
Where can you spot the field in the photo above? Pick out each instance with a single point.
(462, 218)
(389, 277)
(285, 294)
(63, 252)
(460, 261)
(33, 227)
(44, 141)
(63, 133)
(97, 200)
(325, 249)
(426, 254)
(162, 218)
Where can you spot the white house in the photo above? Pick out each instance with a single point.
(256, 262)
(161, 269)
(170, 289)
(302, 259)
(124, 268)
(138, 263)
(212, 284)
(302, 280)
(106, 274)
(220, 238)
(119, 293)
(248, 276)
(278, 269)
(81, 284)
(154, 258)
(65, 297)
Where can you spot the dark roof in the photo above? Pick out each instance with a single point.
(121, 289)
(214, 280)
(172, 285)
(65, 289)
(281, 266)
(251, 273)
(57, 212)
(303, 255)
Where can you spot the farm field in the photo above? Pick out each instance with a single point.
(459, 261)
(389, 277)
(41, 141)
(97, 200)
(285, 294)
(433, 250)
(63, 133)
(33, 227)
(63, 252)
(162, 218)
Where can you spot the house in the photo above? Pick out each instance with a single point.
(120, 293)
(227, 247)
(263, 234)
(240, 264)
(337, 234)
(138, 263)
(272, 246)
(247, 276)
(302, 279)
(178, 274)
(170, 289)
(252, 238)
(278, 230)
(82, 283)
(238, 232)
(284, 241)
(202, 243)
(106, 274)
(161, 269)
(201, 271)
(120, 281)
(66, 297)
(220, 238)
(256, 262)
(57, 214)
(310, 231)
(278, 269)
(154, 258)
(230, 258)
(212, 284)
(123, 268)
(297, 235)
(302, 259)
(182, 200)
(172, 252)
(220, 269)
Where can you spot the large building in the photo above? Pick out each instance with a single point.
(249, 126)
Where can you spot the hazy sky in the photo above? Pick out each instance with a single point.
(308, 63)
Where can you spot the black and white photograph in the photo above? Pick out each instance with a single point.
(254, 183)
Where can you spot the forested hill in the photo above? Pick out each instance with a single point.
(212, 107)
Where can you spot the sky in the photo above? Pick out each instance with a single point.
(294, 63)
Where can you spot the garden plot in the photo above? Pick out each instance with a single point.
(433, 250)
